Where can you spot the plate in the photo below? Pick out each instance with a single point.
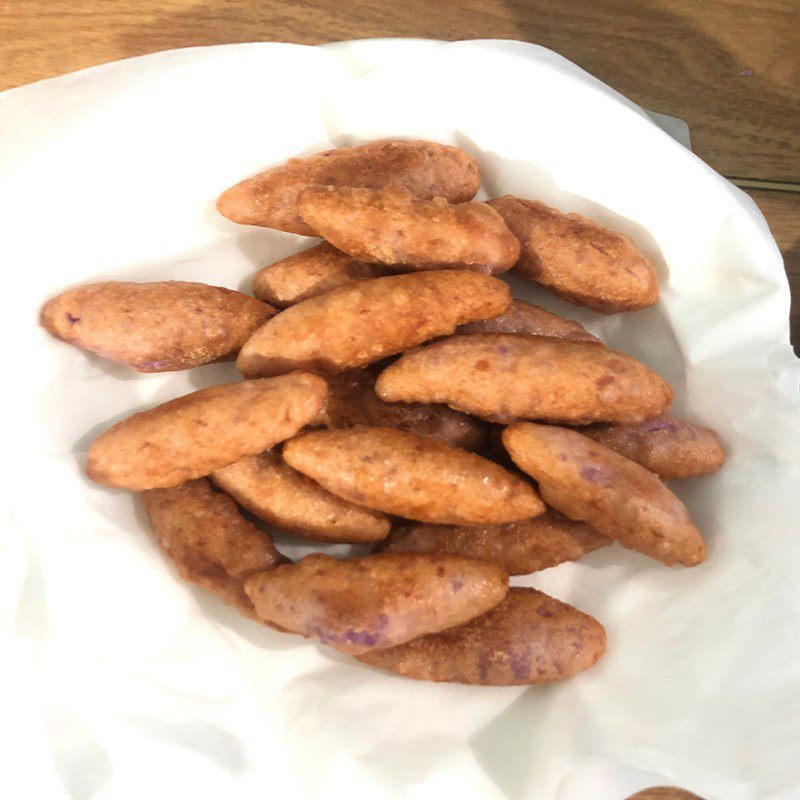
(113, 664)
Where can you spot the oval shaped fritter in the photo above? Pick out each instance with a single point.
(527, 638)
(504, 376)
(577, 258)
(671, 447)
(586, 481)
(191, 436)
(155, 327)
(392, 226)
(355, 325)
(376, 601)
(412, 476)
(427, 169)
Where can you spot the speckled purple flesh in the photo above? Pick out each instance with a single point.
(361, 638)
(596, 475)
(667, 424)
(350, 636)
(520, 663)
(152, 365)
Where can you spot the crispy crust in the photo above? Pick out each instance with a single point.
(375, 601)
(426, 169)
(578, 259)
(283, 497)
(502, 377)
(312, 272)
(356, 325)
(527, 638)
(671, 447)
(155, 327)
(208, 541)
(519, 547)
(586, 481)
(191, 436)
(412, 476)
(392, 226)
(523, 317)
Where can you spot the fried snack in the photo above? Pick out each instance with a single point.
(309, 273)
(376, 601)
(392, 226)
(505, 376)
(426, 169)
(519, 547)
(283, 497)
(356, 325)
(670, 447)
(586, 481)
(523, 317)
(578, 259)
(352, 401)
(210, 543)
(191, 436)
(412, 476)
(664, 793)
(155, 327)
(527, 638)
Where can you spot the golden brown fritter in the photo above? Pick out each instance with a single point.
(392, 226)
(269, 488)
(412, 476)
(506, 376)
(155, 327)
(352, 401)
(356, 325)
(209, 542)
(191, 436)
(523, 317)
(670, 447)
(527, 638)
(519, 547)
(310, 273)
(376, 601)
(586, 481)
(578, 259)
(427, 169)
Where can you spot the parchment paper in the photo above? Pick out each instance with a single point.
(121, 682)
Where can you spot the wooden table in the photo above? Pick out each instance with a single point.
(730, 68)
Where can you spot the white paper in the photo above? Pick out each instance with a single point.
(121, 682)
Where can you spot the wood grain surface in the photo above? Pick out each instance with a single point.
(782, 211)
(730, 68)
